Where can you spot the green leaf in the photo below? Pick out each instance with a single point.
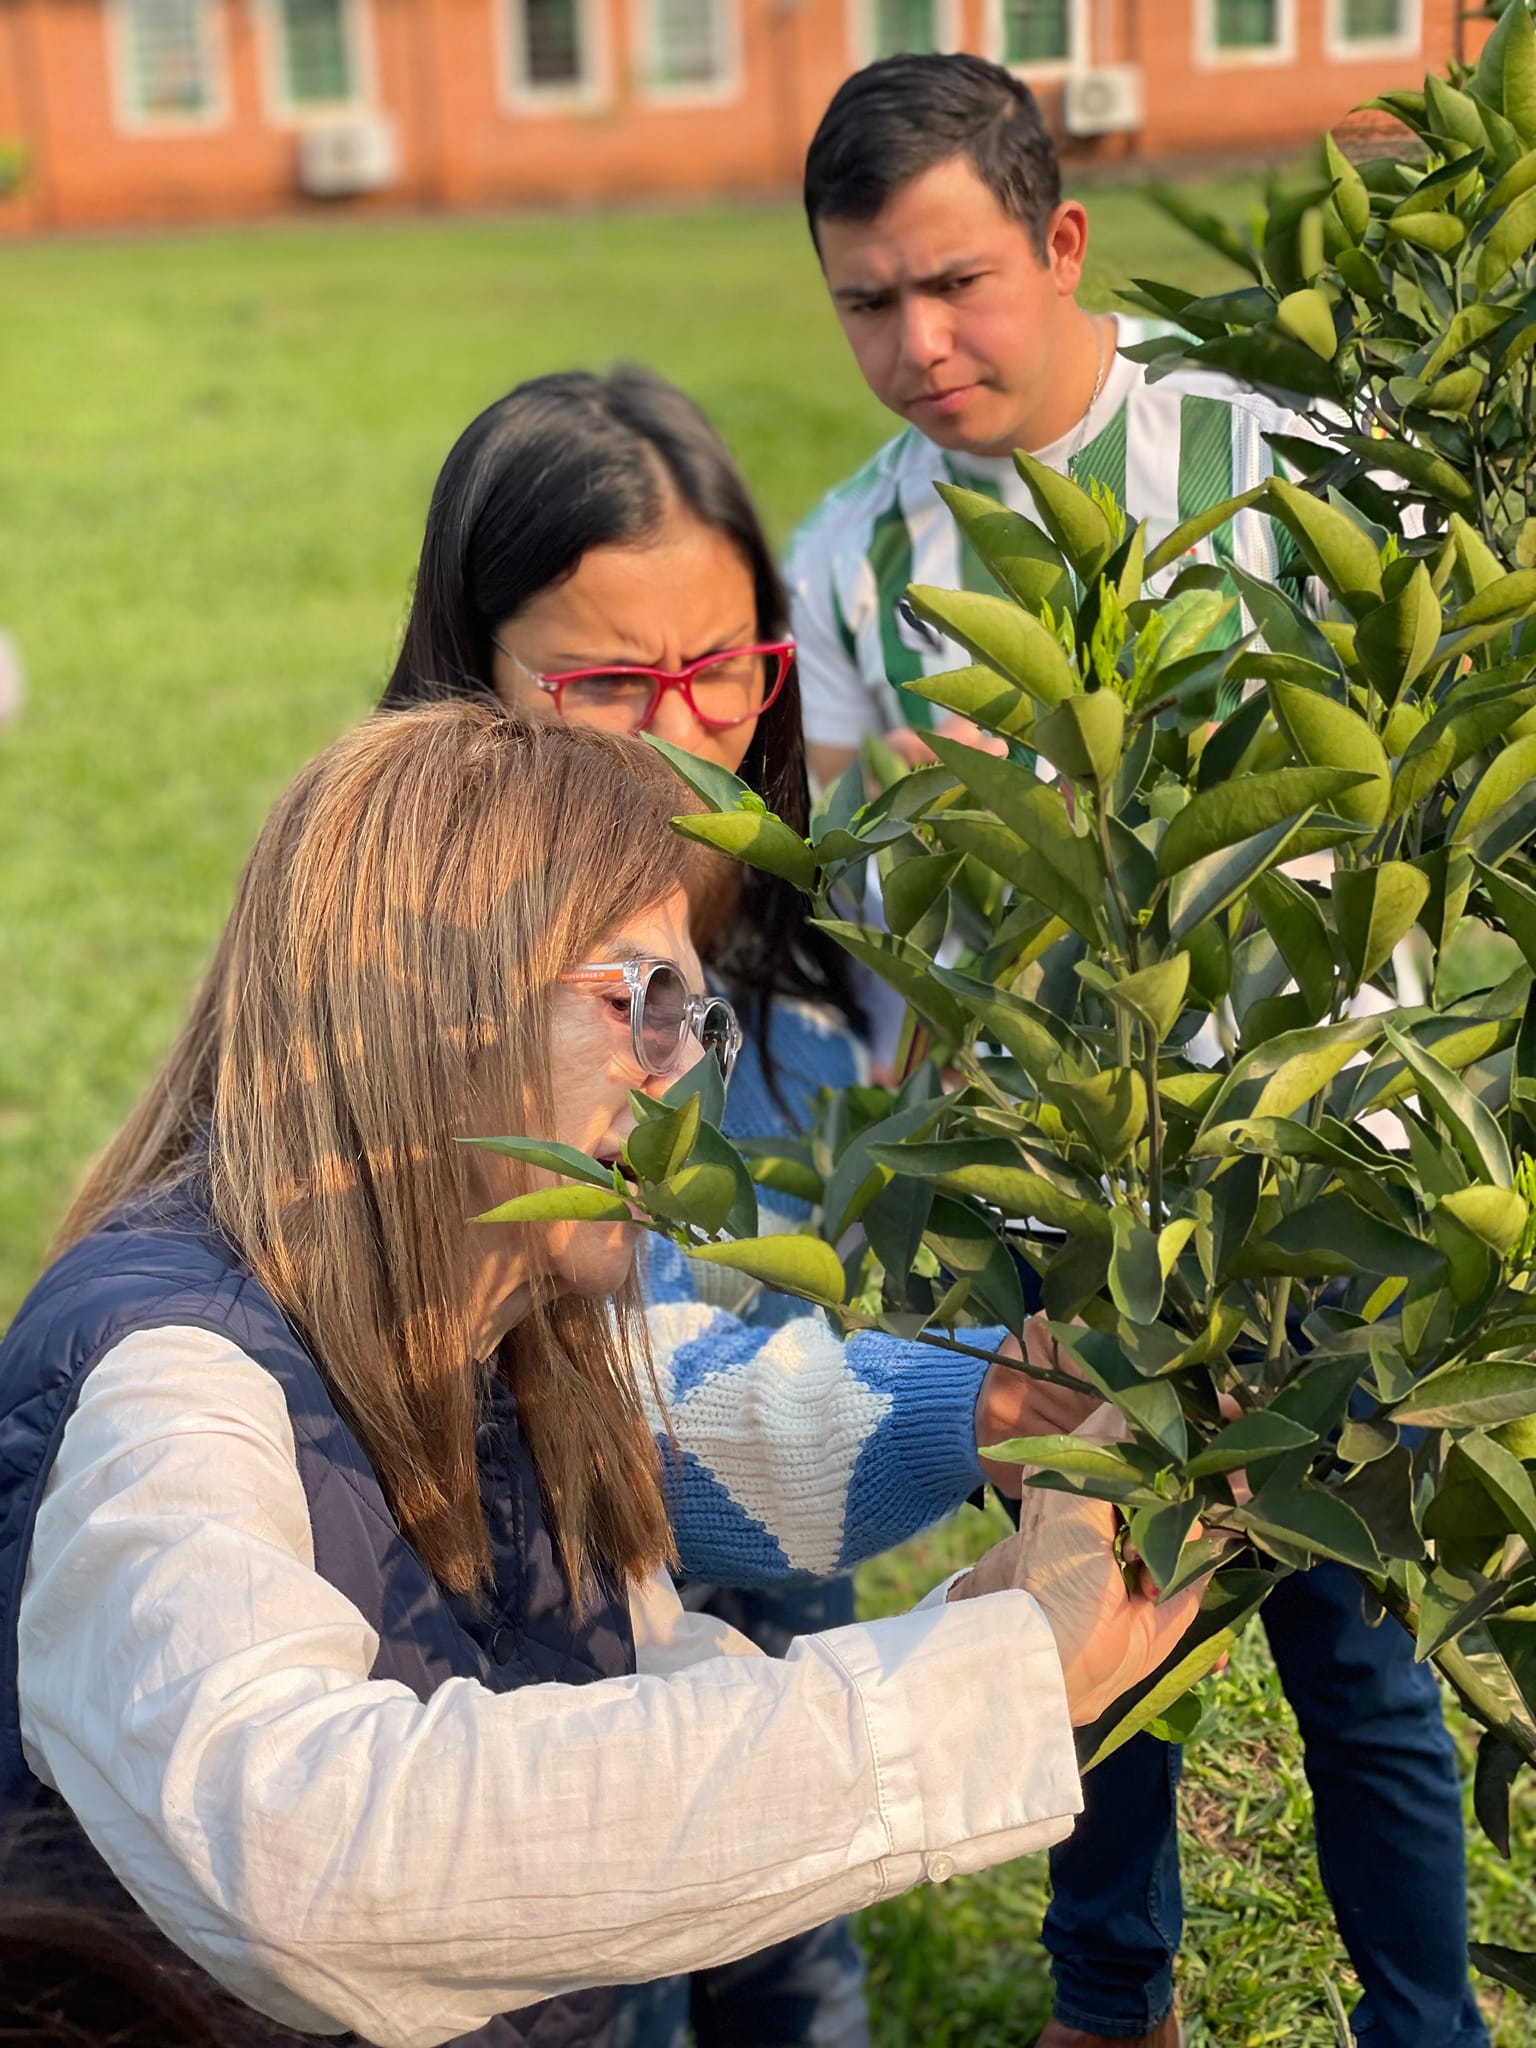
(1029, 807)
(1018, 556)
(1374, 908)
(1327, 734)
(1006, 854)
(1289, 1070)
(1508, 242)
(1317, 1521)
(1190, 532)
(1481, 1392)
(1155, 994)
(1335, 1235)
(1074, 522)
(1498, 1764)
(1082, 737)
(904, 969)
(550, 1158)
(1135, 1269)
(1037, 1039)
(1286, 628)
(783, 1164)
(1159, 1533)
(717, 786)
(1109, 1110)
(1335, 547)
(1507, 775)
(1350, 195)
(1506, 71)
(1421, 467)
(1505, 1480)
(805, 1266)
(1002, 635)
(1209, 885)
(912, 887)
(1395, 642)
(1512, 1966)
(991, 1170)
(1515, 903)
(758, 838)
(1257, 1435)
(1472, 1126)
(981, 695)
(659, 1146)
(1307, 316)
(572, 1204)
(1207, 227)
(1294, 922)
(1470, 720)
(1074, 1456)
(1235, 811)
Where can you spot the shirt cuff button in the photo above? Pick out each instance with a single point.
(938, 1868)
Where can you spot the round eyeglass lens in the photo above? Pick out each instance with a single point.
(663, 1009)
(616, 703)
(718, 1034)
(730, 689)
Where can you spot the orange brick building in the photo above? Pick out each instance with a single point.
(149, 111)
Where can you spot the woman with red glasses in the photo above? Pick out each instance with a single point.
(592, 555)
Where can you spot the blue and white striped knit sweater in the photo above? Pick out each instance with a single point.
(800, 1453)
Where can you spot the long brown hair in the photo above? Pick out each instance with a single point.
(395, 937)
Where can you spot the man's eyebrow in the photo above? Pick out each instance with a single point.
(962, 267)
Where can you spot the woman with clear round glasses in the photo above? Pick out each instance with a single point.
(592, 556)
(336, 1642)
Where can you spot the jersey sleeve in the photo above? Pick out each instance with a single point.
(837, 706)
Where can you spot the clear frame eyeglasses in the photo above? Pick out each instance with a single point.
(664, 1013)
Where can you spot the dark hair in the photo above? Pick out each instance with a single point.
(894, 120)
(567, 463)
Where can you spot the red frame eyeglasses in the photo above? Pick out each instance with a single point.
(780, 652)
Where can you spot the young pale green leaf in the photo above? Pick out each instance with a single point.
(804, 1266)
(1478, 1393)
(1154, 994)
(1002, 635)
(1472, 1125)
(1236, 810)
(1510, 597)
(550, 1158)
(1083, 736)
(1307, 316)
(756, 837)
(1327, 734)
(1316, 1521)
(981, 695)
(572, 1203)
(1199, 891)
(1496, 1217)
(1350, 194)
(1069, 515)
(1335, 547)
(1278, 1077)
(1373, 909)
(1260, 1434)
(1135, 1270)
(1021, 559)
(1279, 1137)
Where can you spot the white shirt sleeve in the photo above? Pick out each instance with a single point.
(342, 1855)
(837, 705)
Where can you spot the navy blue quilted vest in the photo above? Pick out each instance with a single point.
(159, 1266)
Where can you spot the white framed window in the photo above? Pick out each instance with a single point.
(166, 60)
(319, 56)
(1038, 36)
(1373, 28)
(554, 55)
(885, 28)
(688, 52)
(1239, 32)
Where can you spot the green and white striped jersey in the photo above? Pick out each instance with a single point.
(1167, 450)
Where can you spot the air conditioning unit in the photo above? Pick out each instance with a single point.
(348, 153)
(1106, 101)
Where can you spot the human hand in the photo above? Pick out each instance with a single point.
(1012, 1404)
(1108, 1637)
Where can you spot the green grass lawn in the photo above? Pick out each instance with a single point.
(215, 457)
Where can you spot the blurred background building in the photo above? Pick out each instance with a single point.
(147, 111)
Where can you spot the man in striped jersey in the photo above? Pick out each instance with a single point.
(934, 199)
(956, 286)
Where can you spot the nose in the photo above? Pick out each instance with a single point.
(924, 332)
(675, 723)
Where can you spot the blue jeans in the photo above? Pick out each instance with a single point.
(1386, 1796)
(804, 1993)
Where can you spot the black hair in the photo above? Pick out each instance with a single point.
(894, 120)
(574, 461)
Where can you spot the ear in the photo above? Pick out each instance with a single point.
(1066, 245)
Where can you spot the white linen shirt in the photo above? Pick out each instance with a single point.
(342, 1855)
